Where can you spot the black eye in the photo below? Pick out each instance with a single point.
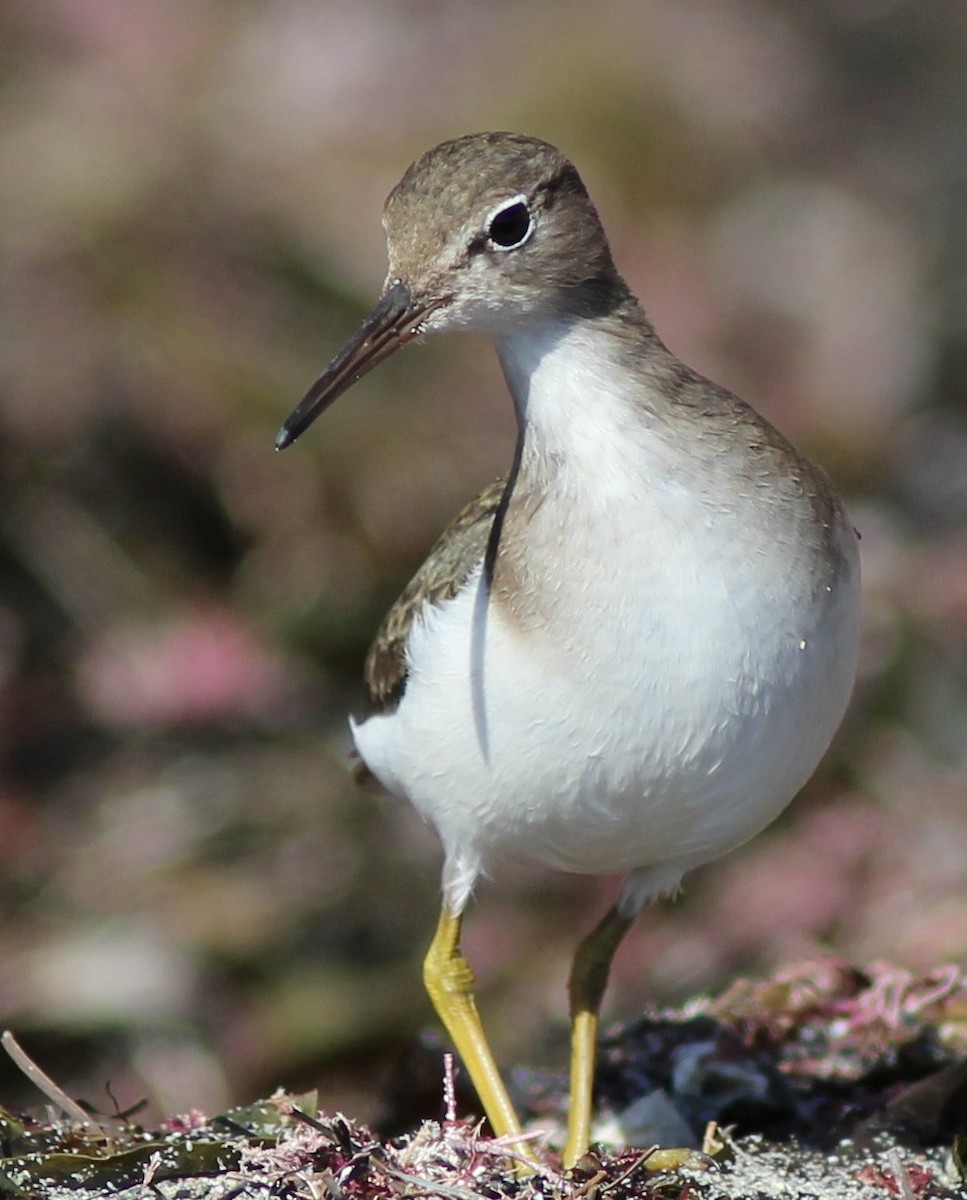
(510, 226)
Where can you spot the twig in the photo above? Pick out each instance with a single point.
(902, 1175)
(41, 1080)
(449, 1090)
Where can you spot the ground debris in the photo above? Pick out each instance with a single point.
(308, 1157)
(824, 1083)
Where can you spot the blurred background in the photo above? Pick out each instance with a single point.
(197, 904)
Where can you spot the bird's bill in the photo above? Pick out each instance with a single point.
(396, 320)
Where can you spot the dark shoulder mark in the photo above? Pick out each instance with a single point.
(458, 550)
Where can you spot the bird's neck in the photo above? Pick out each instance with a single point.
(589, 397)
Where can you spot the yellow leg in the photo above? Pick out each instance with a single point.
(589, 977)
(450, 982)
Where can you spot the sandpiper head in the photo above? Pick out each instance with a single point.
(490, 231)
(493, 228)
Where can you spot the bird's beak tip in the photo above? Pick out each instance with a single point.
(395, 320)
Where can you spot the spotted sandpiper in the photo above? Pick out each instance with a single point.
(629, 655)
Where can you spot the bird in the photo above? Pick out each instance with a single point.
(629, 654)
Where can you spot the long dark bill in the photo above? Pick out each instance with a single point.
(394, 321)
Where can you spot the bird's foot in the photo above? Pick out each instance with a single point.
(676, 1158)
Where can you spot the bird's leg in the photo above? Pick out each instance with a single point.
(450, 981)
(589, 978)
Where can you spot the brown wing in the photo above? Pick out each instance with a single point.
(459, 549)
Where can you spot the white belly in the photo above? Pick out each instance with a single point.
(648, 734)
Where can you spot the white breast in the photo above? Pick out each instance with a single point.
(687, 681)
(664, 753)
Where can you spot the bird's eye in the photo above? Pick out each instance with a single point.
(510, 226)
